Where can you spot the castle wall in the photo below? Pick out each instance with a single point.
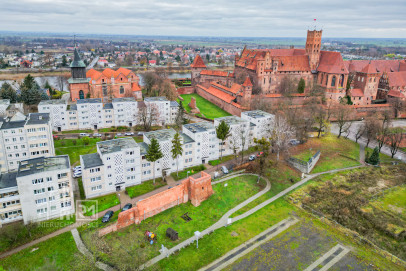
(231, 108)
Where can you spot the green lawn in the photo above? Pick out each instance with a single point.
(74, 148)
(81, 189)
(78, 131)
(145, 187)
(17, 234)
(57, 253)
(103, 203)
(385, 159)
(192, 170)
(335, 152)
(393, 201)
(203, 216)
(218, 161)
(208, 109)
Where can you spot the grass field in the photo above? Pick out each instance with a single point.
(16, 234)
(222, 160)
(192, 170)
(57, 253)
(393, 201)
(203, 216)
(335, 152)
(68, 146)
(208, 109)
(88, 131)
(103, 203)
(145, 187)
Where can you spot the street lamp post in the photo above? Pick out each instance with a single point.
(197, 234)
(187, 174)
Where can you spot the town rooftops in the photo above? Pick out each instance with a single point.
(8, 180)
(43, 164)
(91, 160)
(116, 145)
(125, 99)
(186, 139)
(37, 118)
(56, 101)
(257, 114)
(161, 135)
(155, 99)
(85, 101)
(199, 127)
(230, 120)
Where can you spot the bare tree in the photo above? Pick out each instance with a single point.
(61, 81)
(359, 132)
(281, 134)
(371, 129)
(398, 106)
(343, 116)
(394, 139)
(321, 118)
(148, 115)
(243, 140)
(288, 85)
(383, 130)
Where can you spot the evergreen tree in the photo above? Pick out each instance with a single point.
(374, 158)
(301, 86)
(64, 61)
(7, 92)
(30, 93)
(180, 116)
(223, 132)
(176, 150)
(154, 153)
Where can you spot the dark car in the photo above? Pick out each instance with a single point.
(127, 207)
(107, 216)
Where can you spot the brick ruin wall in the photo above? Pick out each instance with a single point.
(195, 190)
(230, 108)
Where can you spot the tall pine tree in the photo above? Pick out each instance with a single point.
(176, 150)
(7, 92)
(154, 153)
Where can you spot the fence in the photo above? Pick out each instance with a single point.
(305, 167)
(355, 235)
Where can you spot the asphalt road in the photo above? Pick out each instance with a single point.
(385, 149)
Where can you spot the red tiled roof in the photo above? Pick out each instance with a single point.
(218, 93)
(247, 82)
(198, 62)
(93, 74)
(380, 65)
(369, 68)
(397, 79)
(135, 87)
(124, 71)
(108, 73)
(356, 92)
(396, 93)
(293, 63)
(214, 73)
(331, 62)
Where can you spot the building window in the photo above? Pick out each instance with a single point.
(104, 87)
(121, 90)
(81, 94)
(333, 81)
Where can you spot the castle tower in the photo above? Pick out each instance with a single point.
(247, 92)
(196, 67)
(313, 44)
(78, 83)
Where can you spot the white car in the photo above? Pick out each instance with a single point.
(97, 135)
(119, 134)
(129, 134)
(77, 168)
(84, 134)
(77, 174)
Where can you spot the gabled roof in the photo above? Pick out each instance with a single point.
(215, 73)
(93, 74)
(331, 62)
(397, 79)
(109, 73)
(247, 82)
(380, 65)
(396, 93)
(198, 62)
(218, 93)
(369, 68)
(357, 92)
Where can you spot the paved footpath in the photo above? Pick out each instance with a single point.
(226, 220)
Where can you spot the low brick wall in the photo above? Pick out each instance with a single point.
(185, 90)
(231, 108)
(305, 167)
(195, 190)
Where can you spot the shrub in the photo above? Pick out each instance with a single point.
(86, 140)
(374, 158)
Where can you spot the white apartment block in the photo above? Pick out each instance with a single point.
(24, 138)
(40, 190)
(94, 114)
(206, 141)
(114, 166)
(263, 121)
(241, 131)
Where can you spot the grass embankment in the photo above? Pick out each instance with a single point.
(57, 253)
(75, 147)
(192, 170)
(208, 109)
(335, 152)
(88, 131)
(203, 216)
(222, 160)
(103, 203)
(384, 159)
(17, 234)
(145, 187)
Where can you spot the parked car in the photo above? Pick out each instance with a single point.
(129, 134)
(83, 134)
(251, 158)
(107, 216)
(77, 168)
(294, 142)
(97, 135)
(119, 134)
(77, 174)
(260, 154)
(127, 207)
(77, 171)
(140, 133)
(224, 169)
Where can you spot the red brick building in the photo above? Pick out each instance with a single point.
(95, 84)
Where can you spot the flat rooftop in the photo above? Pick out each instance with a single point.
(230, 120)
(86, 101)
(161, 135)
(156, 99)
(8, 179)
(56, 101)
(115, 145)
(43, 164)
(199, 127)
(257, 114)
(186, 139)
(38, 118)
(125, 99)
(91, 160)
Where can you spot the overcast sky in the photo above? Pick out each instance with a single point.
(252, 18)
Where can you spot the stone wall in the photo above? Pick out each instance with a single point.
(185, 90)
(195, 190)
(231, 108)
(302, 166)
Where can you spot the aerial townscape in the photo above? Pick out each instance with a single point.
(173, 136)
